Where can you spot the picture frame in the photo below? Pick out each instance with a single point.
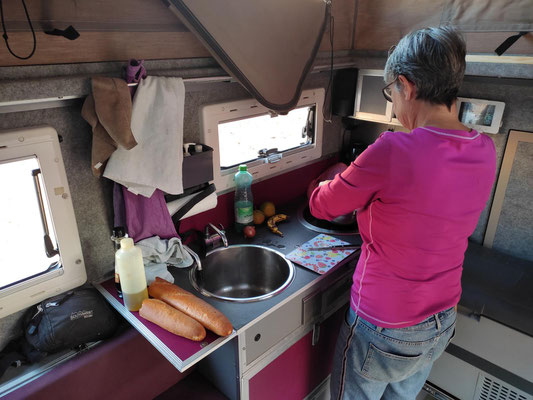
(482, 115)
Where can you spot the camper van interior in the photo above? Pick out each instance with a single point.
(175, 220)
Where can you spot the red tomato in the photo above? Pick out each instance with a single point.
(249, 231)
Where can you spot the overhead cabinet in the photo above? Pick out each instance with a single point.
(267, 46)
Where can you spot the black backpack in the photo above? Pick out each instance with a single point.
(65, 321)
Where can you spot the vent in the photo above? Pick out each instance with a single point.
(495, 389)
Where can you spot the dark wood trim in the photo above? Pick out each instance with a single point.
(102, 46)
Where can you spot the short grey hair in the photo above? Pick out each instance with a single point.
(433, 59)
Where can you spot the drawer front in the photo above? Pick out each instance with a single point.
(338, 294)
(323, 302)
(271, 329)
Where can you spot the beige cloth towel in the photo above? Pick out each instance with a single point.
(157, 123)
(108, 111)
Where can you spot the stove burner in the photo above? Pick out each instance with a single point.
(323, 226)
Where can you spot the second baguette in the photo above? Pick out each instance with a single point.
(172, 320)
(191, 305)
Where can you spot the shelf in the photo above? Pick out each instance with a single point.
(180, 352)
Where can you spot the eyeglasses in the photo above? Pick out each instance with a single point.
(387, 91)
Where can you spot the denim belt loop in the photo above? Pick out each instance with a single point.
(379, 329)
(437, 319)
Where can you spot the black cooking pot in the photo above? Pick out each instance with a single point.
(346, 219)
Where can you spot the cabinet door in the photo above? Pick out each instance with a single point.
(302, 367)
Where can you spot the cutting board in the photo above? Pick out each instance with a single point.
(319, 261)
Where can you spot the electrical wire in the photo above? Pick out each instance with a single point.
(5, 32)
(331, 36)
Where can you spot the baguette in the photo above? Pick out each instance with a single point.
(172, 320)
(191, 305)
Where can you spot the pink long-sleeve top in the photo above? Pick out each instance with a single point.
(418, 198)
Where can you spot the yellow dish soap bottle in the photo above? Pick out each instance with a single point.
(129, 262)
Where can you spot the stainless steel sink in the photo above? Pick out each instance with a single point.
(242, 273)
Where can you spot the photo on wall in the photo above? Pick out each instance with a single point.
(477, 114)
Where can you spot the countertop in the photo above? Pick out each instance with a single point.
(183, 353)
(294, 234)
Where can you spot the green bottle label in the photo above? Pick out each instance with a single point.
(244, 215)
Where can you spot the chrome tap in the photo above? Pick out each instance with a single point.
(194, 256)
(212, 240)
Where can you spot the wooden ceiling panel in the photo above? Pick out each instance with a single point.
(102, 46)
(381, 23)
(121, 29)
(92, 15)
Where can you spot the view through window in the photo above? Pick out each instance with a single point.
(241, 140)
(22, 248)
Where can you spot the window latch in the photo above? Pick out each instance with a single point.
(271, 155)
(48, 246)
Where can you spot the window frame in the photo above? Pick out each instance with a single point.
(212, 115)
(494, 127)
(43, 143)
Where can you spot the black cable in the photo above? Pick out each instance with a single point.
(331, 35)
(5, 32)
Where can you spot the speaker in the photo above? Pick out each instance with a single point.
(343, 92)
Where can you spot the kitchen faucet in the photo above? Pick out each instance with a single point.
(212, 240)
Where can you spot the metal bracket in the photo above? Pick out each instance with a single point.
(270, 155)
(273, 158)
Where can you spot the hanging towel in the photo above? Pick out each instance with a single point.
(147, 216)
(158, 253)
(108, 111)
(161, 251)
(157, 124)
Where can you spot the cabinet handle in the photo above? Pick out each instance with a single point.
(316, 334)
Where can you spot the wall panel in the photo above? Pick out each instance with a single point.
(344, 15)
(381, 24)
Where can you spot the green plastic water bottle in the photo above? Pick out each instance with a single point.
(244, 204)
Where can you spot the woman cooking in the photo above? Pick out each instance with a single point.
(418, 197)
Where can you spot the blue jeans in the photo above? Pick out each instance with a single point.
(379, 363)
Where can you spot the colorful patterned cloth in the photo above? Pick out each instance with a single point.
(320, 261)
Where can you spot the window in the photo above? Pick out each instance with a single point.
(244, 132)
(40, 251)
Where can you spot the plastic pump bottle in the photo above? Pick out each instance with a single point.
(129, 262)
(244, 205)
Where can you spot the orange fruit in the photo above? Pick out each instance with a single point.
(268, 208)
(259, 217)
